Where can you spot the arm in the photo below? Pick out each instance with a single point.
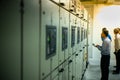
(99, 47)
(104, 48)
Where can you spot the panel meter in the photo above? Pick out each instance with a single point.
(64, 38)
(84, 34)
(72, 36)
(78, 34)
(51, 33)
(81, 34)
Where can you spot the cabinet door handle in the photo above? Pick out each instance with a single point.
(80, 50)
(70, 61)
(61, 70)
(62, 4)
(76, 54)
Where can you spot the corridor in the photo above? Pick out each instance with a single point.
(93, 72)
(53, 39)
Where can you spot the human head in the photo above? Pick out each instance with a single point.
(104, 34)
(103, 29)
(116, 31)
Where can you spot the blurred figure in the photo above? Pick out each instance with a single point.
(104, 29)
(117, 50)
(119, 30)
(105, 52)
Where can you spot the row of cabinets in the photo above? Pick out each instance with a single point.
(62, 35)
(71, 69)
(73, 6)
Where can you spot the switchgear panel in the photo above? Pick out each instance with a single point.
(64, 38)
(78, 34)
(51, 33)
(81, 34)
(86, 33)
(72, 36)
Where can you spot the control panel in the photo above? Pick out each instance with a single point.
(72, 36)
(78, 34)
(64, 38)
(82, 34)
(51, 33)
(86, 33)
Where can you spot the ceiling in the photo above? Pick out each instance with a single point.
(90, 5)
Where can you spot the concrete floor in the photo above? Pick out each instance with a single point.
(93, 72)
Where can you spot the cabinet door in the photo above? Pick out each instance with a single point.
(54, 75)
(70, 71)
(61, 71)
(74, 68)
(65, 73)
(56, 78)
(64, 35)
(49, 37)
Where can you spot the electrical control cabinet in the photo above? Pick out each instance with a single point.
(77, 66)
(74, 67)
(72, 23)
(81, 63)
(50, 40)
(54, 75)
(49, 31)
(51, 36)
(83, 33)
(73, 36)
(64, 38)
(61, 71)
(78, 34)
(65, 73)
(63, 35)
(70, 69)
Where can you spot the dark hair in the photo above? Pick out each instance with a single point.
(105, 32)
(104, 29)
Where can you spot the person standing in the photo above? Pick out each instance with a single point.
(105, 55)
(117, 50)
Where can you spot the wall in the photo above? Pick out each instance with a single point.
(10, 40)
(97, 40)
(19, 53)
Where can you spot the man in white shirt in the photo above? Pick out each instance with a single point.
(105, 55)
(117, 50)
